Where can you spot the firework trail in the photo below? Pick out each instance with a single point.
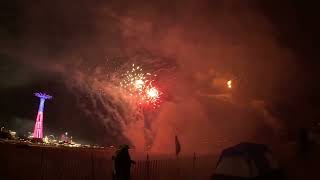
(123, 97)
(140, 85)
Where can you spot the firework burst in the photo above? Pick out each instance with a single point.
(139, 84)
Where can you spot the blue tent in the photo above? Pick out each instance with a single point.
(246, 161)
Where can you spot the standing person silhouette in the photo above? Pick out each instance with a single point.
(122, 163)
(304, 142)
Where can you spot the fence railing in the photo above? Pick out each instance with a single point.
(187, 168)
(62, 164)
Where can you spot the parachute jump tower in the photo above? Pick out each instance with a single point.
(38, 127)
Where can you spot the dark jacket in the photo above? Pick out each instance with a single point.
(122, 164)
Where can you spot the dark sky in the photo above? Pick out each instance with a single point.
(45, 45)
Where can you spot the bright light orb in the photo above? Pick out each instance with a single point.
(153, 92)
(139, 83)
(229, 84)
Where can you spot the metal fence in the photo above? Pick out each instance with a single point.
(65, 164)
(187, 168)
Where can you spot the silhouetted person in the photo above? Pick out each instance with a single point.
(122, 163)
(304, 141)
(113, 168)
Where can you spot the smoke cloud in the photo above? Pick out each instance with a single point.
(235, 41)
(189, 44)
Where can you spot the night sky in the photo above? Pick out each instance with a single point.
(48, 46)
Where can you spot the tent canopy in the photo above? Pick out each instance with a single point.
(246, 160)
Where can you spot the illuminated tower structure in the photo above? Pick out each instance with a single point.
(38, 127)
